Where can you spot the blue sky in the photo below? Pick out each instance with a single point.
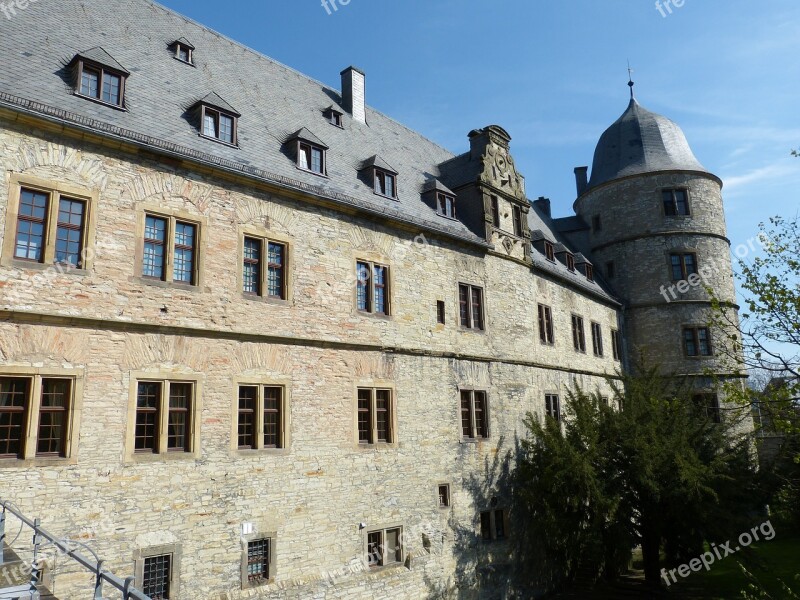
(554, 75)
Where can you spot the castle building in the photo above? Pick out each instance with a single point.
(258, 340)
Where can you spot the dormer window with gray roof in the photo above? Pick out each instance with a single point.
(184, 51)
(439, 196)
(99, 77)
(334, 116)
(584, 266)
(384, 177)
(218, 120)
(311, 152)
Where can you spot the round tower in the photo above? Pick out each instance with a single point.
(658, 235)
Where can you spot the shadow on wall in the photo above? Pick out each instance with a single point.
(486, 548)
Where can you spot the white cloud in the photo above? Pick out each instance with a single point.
(773, 173)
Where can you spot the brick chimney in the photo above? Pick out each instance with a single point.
(354, 93)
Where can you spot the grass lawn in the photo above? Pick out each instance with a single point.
(769, 562)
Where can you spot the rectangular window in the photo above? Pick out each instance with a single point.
(184, 253)
(470, 300)
(183, 53)
(616, 347)
(258, 560)
(261, 422)
(549, 251)
(683, 265)
(611, 271)
(255, 270)
(251, 270)
(446, 205)
(276, 276)
(676, 202)
(597, 339)
(101, 84)
(372, 288)
(494, 204)
(708, 405)
(311, 158)
(570, 262)
(546, 325)
(165, 417)
(375, 416)
(589, 272)
(218, 125)
(384, 547)
(474, 415)
(578, 337)
(49, 227)
(517, 213)
(14, 406)
(444, 495)
(493, 525)
(155, 234)
(697, 341)
(597, 224)
(53, 417)
(552, 406)
(441, 315)
(157, 576)
(385, 184)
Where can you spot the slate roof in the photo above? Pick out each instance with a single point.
(274, 100)
(639, 142)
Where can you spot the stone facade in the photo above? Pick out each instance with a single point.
(108, 327)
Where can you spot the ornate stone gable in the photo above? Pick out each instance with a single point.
(499, 170)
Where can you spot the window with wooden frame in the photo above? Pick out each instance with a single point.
(552, 406)
(100, 83)
(311, 157)
(697, 341)
(166, 417)
(493, 525)
(36, 416)
(474, 415)
(183, 50)
(385, 183)
(443, 491)
(597, 339)
(446, 205)
(372, 288)
(335, 118)
(570, 260)
(494, 207)
(549, 251)
(516, 211)
(707, 404)
(48, 226)
(589, 272)
(262, 417)
(441, 314)
(376, 416)
(169, 249)
(616, 345)
(675, 202)
(157, 571)
(471, 314)
(264, 268)
(219, 125)
(683, 264)
(384, 547)
(578, 334)
(546, 335)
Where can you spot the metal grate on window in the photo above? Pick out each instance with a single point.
(155, 581)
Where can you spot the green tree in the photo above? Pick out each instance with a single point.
(655, 470)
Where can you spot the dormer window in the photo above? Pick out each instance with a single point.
(334, 116)
(589, 272)
(384, 177)
(218, 120)
(183, 50)
(446, 205)
(571, 263)
(549, 251)
(311, 152)
(99, 77)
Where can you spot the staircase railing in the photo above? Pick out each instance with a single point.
(64, 546)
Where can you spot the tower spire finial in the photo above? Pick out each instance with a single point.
(630, 80)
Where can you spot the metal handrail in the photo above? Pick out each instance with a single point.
(123, 585)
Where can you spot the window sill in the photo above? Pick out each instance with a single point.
(36, 462)
(30, 265)
(185, 287)
(185, 62)
(474, 440)
(219, 141)
(438, 214)
(385, 196)
(101, 102)
(384, 568)
(147, 458)
(311, 172)
(266, 299)
(252, 585)
(471, 330)
(258, 452)
(380, 446)
(381, 316)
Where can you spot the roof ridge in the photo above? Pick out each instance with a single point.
(291, 69)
